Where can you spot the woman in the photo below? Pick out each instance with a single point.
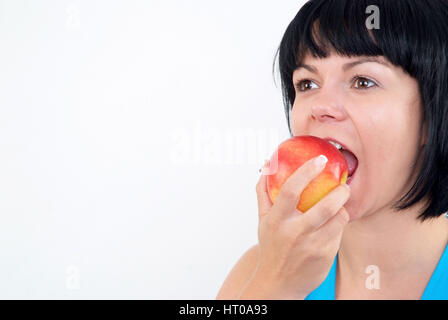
(381, 91)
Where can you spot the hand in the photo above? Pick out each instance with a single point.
(296, 250)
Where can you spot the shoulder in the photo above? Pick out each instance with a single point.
(240, 274)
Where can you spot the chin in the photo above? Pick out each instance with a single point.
(353, 208)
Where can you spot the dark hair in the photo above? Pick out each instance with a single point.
(413, 35)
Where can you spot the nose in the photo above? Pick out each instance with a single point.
(328, 105)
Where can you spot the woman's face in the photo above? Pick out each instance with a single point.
(371, 107)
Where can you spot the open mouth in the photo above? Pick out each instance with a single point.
(351, 177)
(350, 158)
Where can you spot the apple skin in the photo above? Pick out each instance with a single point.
(292, 154)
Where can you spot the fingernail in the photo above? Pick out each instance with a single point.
(320, 161)
(264, 165)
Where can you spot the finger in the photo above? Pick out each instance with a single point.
(335, 226)
(289, 194)
(327, 207)
(264, 202)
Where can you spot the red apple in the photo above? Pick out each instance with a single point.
(292, 154)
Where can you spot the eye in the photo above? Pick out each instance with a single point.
(363, 83)
(305, 85)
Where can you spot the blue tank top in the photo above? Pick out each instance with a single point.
(436, 289)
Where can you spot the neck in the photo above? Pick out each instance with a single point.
(395, 242)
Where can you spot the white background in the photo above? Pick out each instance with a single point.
(120, 123)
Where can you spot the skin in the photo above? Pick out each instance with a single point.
(379, 117)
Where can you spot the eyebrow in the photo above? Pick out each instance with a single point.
(347, 65)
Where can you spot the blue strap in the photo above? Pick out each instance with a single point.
(327, 289)
(436, 289)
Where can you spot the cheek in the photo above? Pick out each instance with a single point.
(298, 120)
(388, 127)
(390, 142)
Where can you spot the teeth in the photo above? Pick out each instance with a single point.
(337, 145)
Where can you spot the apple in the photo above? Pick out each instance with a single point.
(292, 154)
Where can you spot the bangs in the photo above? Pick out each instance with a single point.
(336, 28)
